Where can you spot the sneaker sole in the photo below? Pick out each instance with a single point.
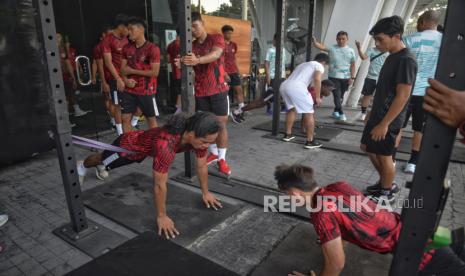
(378, 199)
(313, 147)
(288, 139)
(97, 174)
(234, 120)
(214, 160)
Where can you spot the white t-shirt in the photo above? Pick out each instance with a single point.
(302, 76)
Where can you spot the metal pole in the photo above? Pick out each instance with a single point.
(418, 224)
(311, 16)
(61, 127)
(187, 75)
(244, 9)
(280, 29)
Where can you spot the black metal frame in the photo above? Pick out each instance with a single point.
(419, 224)
(88, 236)
(311, 16)
(280, 31)
(187, 75)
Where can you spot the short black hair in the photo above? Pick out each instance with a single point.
(137, 21)
(322, 57)
(227, 28)
(328, 83)
(202, 123)
(196, 16)
(121, 19)
(389, 25)
(342, 33)
(295, 176)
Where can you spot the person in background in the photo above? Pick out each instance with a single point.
(341, 70)
(270, 63)
(377, 59)
(425, 44)
(174, 51)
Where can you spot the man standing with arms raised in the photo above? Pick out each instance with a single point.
(211, 89)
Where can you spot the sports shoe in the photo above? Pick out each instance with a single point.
(342, 117)
(236, 118)
(3, 219)
(223, 167)
(101, 172)
(361, 116)
(212, 158)
(288, 137)
(410, 168)
(336, 115)
(383, 195)
(81, 170)
(377, 187)
(79, 112)
(312, 145)
(242, 117)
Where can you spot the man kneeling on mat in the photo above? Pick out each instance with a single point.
(298, 99)
(369, 227)
(180, 134)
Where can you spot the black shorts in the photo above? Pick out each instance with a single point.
(177, 87)
(369, 87)
(114, 94)
(235, 79)
(415, 109)
(446, 261)
(68, 86)
(217, 104)
(147, 103)
(384, 147)
(112, 160)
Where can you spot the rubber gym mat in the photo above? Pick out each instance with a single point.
(323, 133)
(147, 255)
(299, 251)
(128, 200)
(458, 153)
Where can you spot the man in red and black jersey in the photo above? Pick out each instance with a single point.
(139, 68)
(174, 50)
(180, 134)
(341, 212)
(211, 89)
(231, 68)
(98, 70)
(112, 55)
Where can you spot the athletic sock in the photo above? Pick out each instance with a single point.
(364, 110)
(222, 153)
(414, 157)
(119, 129)
(213, 149)
(135, 120)
(241, 105)
(112, 121)
(81, 169)
(178, 110)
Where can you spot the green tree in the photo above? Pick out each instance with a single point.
(233, 9)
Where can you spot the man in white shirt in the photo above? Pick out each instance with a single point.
(298, 99)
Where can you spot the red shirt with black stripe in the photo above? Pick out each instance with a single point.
(174, 50)
(157, 143)
(209, 78)
(141, 58)
(376, 231)
(114, 45)
(230, 51)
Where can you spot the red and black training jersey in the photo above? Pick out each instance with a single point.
(97, 52)
(174, 50)
(114, 45)
(141, 58)
(209, 78)
(376, 231)
(157, 143)
(230, 51)
(72, 57)
(64, 70)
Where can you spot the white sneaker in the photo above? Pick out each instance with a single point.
(81, 170)
(3, 219)
(343, 117)
(101, 172)
(79, 112)
(361, 116)
(410, 168)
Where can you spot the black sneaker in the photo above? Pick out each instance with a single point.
(236, 118)
(288, 137)
(377, 187)
(312, 145)
(241, 116)
(383, 195)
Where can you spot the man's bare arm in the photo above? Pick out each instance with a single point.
(319, 45)
(333, 252)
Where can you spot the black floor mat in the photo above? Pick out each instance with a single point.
(458, 153)
(299, 251)
(322, 133)
(148, 255)
(128, 200)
